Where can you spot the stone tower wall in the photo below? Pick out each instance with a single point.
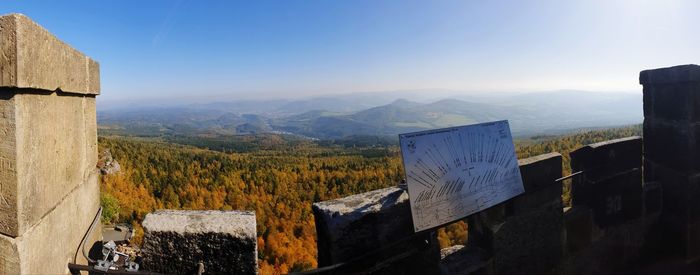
(49, 190)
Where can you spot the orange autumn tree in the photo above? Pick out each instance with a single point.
(279, 185)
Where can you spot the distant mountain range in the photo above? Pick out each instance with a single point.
(380, 114)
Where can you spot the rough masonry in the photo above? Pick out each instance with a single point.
(524, 234)
(372, 233)
(672, 151)
(177, 241)
(49, 190)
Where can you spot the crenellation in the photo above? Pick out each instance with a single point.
(611, 183)
(524, 235)
(540, 171)
(607, 158)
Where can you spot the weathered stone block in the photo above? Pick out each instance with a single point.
(611, 183)
(176, 241)
(530, 243)
(613, 250)
(524, 234)
(670, 75)
(653, 197)
(672, 157)
(48, 246)
(534, 200)
(34, 58)
(540, 171)
(8, 155)
(378, 223)
(578, 222)
(680, 190)
(603, 159)
(674, 144)
(647, 102)
(676, 102)
(460, 259)
(49, 190)
(692, 239)
(48, 149)
(617, 199)
(681, 208)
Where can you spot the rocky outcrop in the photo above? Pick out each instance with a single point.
(107, 164)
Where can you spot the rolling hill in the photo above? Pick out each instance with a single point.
(528, 114)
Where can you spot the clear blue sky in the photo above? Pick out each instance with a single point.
(186, 48)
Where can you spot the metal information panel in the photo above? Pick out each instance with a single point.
(454, 172)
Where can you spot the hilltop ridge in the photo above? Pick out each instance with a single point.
(331, 118)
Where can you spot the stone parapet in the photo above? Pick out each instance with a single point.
(540, 171)
(611, 180)
(670, 75)
(376, 223)
(524, 234)
(176, 241)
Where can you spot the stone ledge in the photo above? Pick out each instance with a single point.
(34, 58)
(675, 74)
(604, 159)
(224, 241)
(540, 171)
(337, 213)
(377, 222)
(236, 223)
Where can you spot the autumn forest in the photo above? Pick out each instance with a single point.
(276, 176)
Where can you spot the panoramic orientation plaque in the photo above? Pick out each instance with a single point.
(454, 172)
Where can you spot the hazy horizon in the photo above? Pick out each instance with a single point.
(419, 95)
(150, 50)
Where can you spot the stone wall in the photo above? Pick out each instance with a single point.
(49, 190)
(609, 228)
(524, 235)
(372, 233)
(672, 151)
(611, 182)
(176, 242)
(608, 223)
